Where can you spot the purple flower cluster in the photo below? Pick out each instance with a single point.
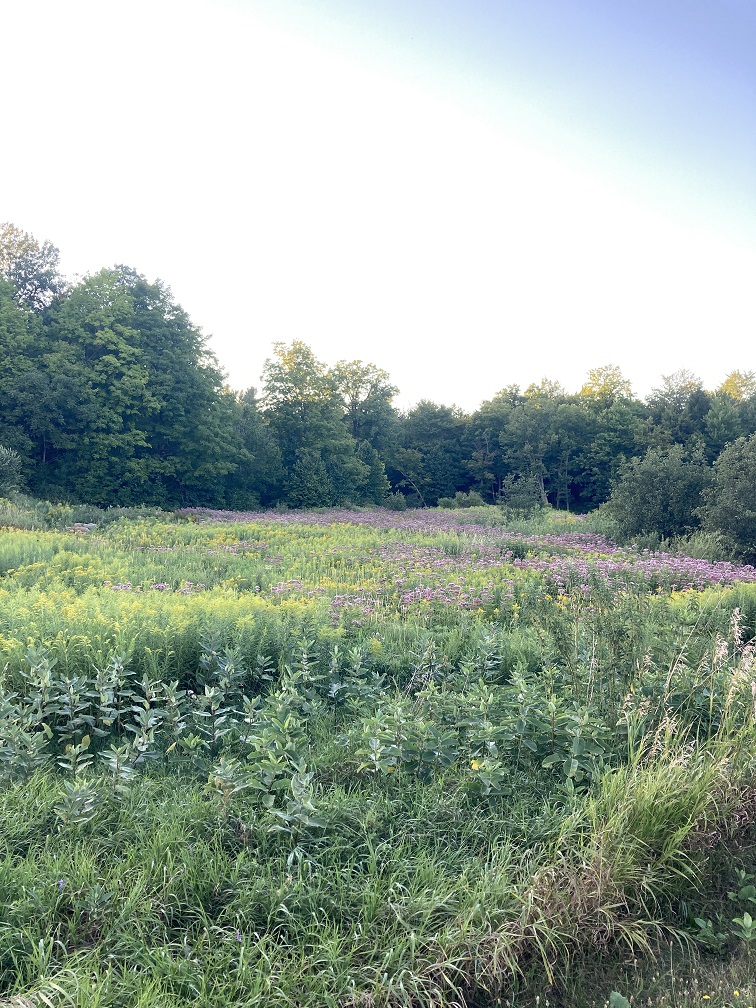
(648, 570)
(567, 561)
(451, 594)
(471, 556)
(349, 608)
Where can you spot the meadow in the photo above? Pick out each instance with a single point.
(365, 758)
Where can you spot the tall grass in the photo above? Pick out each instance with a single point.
(376, 761)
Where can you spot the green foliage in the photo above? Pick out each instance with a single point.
(258, 477)
(296, 784)
(660, 493)
(161, 421)
(309, 484)
(678, 409)
(729, 508)
(366, 393)
(607, 383)
(396, 502)
(304, 412)
(109, 394)
(520, 496)
(30, 268)
(431, 460)
(462, 500)
(10, 471)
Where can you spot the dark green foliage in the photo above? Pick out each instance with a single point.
(258, 477)
(462, 500)
(678, 409)
(10, 471)
(374, 487)
(432, 461)
(617, 435)
(366, 393)
(545, 439)
(109, 395)
(114, 399)
(30, 268)
(722, 424)
(309, 484)
(730, 501)
(305, 415)
(520, 496)
(659, 493)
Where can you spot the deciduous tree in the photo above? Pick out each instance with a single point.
(31, 268)
(659, 493)
(729, 503)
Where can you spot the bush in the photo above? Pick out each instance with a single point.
(396, 502)
(28, 513)
(462, 500)
(729, 506)
(659, 494)
(10, 471)
(520, 496)
(703, 545)
(18, 514)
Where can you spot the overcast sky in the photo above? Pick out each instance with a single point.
(468, 193)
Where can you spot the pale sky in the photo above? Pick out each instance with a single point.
(467, 193)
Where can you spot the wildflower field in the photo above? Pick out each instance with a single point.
(360, 758)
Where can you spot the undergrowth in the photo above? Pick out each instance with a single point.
(364, 761)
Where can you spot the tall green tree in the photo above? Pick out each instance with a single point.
(722, 424)
(606, 383)
(432, 458)
(31, 268)
(530, 439)
(366, 394)
(133, 405)
(189, 425)
(729, 503)
(575, 430)
(677, 410)
(618, 435)
(20, 344)
(305, 413)
(487, 462)
(660, 493)
(374, 487)
(258, 477)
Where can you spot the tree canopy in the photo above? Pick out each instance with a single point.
(109, 394)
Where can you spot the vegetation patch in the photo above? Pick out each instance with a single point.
(362, 757)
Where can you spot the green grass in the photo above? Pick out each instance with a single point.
(236, 789)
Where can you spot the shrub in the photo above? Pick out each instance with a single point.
(396, 502)
(462, 500)
(729, 507)
(10, 471)
(520, 496)
(659, 494)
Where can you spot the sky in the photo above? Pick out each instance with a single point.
(469, 194)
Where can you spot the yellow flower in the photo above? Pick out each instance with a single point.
(476, 764)
(736, 993)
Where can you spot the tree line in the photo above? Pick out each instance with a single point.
(109, 394)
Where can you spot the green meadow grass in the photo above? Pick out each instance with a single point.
(320, 761)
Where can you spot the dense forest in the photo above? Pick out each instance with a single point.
(110, 395)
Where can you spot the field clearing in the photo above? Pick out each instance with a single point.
(358, 758)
